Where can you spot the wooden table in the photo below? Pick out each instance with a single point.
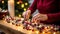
(9, 28)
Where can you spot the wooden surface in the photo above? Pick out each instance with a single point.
(9, 28)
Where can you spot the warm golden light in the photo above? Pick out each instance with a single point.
(17, 2)
(54, 32)
(22, 5)
(19, 28)
(10, 23)
(43, 32)
(24, 9)
(29, 32)
(26, 3)
(2, 1)
(37, 32)
(19, 15)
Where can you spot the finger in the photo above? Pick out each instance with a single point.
(36, 15)
(33, 20)
(27, 16)
(37, 20)
(23, 14)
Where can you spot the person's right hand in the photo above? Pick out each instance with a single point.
(26, 14)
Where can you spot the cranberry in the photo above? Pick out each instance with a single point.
(13, 23)
(33, 30)
(8, 21)
(24, 27)
(19, 20)
(17, 24)
(27, 28)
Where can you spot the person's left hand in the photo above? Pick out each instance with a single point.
(39, 17)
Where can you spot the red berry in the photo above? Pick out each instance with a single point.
(19, 20)
(33, 30)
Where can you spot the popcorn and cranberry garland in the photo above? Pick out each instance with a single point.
(33, 26)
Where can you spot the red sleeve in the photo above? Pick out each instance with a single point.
(52, 18)
(55, 17)
(33, 6)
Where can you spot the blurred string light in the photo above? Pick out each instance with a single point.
(2, 1)
(24, 9)
(22, 5)
(54, 32)
(16, 10)
(26, 3)
(18, 2)
(37, 32)
(19, 15)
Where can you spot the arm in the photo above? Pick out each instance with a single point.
(55, 17)
(33, 7)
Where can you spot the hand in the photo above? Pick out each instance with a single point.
(26, 14)
(39, 17)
